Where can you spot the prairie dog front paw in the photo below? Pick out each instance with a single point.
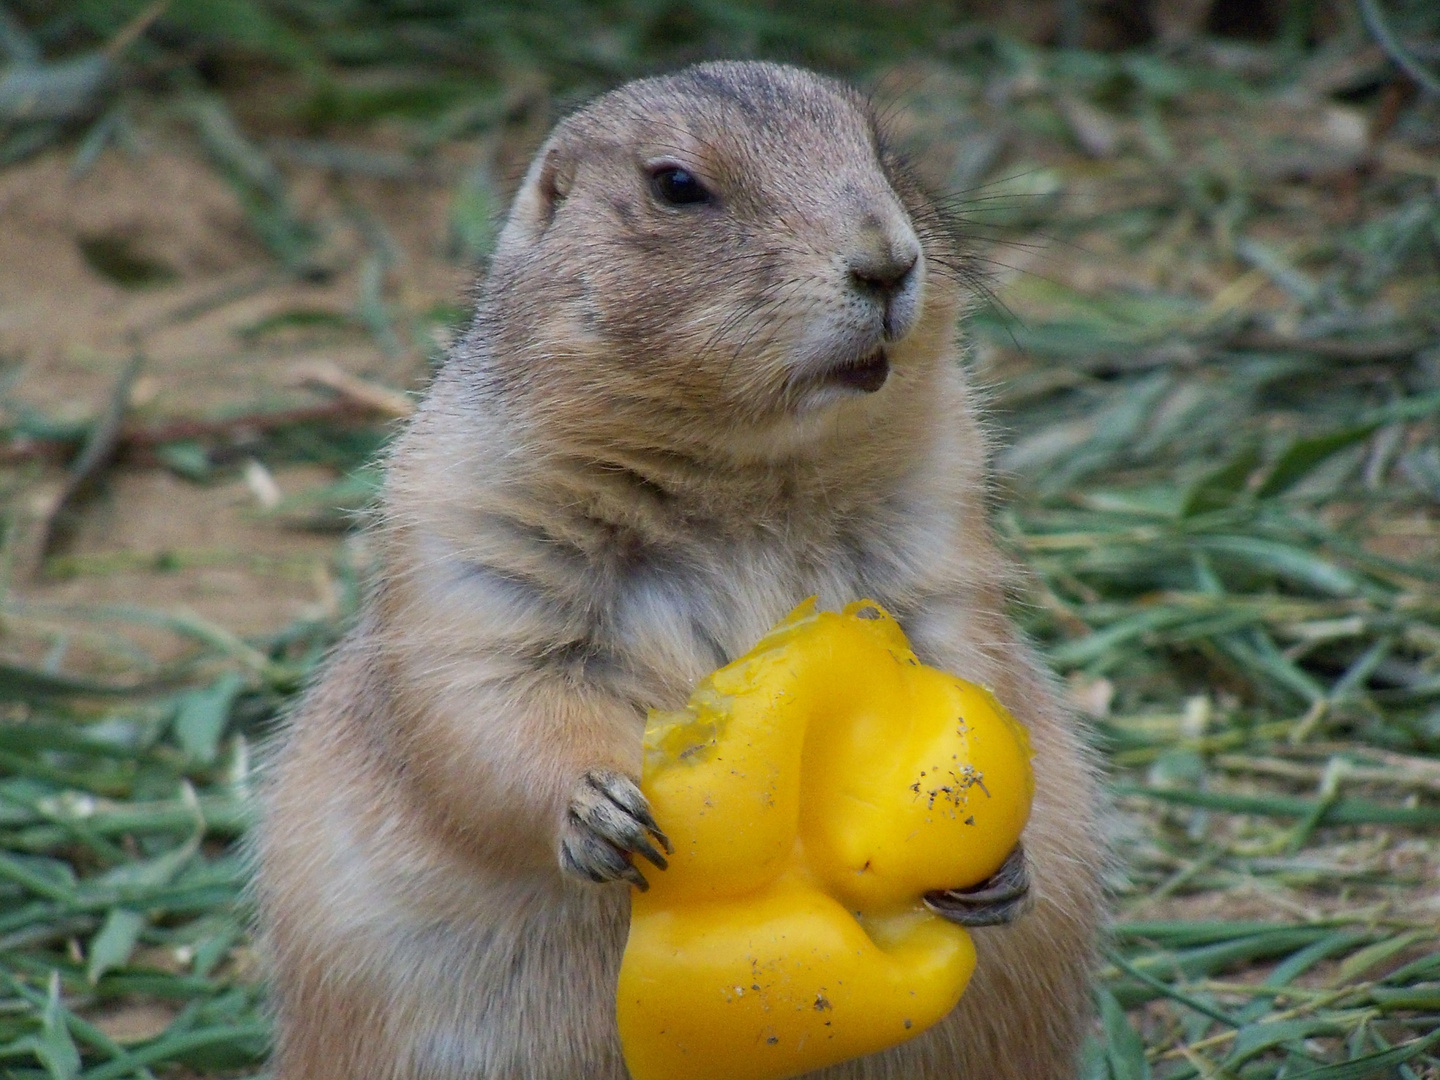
(607, 822)
(1000, 899)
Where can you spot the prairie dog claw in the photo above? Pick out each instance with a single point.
(608, 822)
(1001, 899)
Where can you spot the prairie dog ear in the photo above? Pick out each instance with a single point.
(547, 185)
(557, 173)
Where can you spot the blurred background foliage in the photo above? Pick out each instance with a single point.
(1211, 347)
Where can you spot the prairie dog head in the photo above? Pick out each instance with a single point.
(725, 259)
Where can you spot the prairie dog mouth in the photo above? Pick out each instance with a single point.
(866, 374)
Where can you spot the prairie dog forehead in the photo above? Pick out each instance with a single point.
(746, 123)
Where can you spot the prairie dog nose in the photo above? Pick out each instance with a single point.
(883, 268)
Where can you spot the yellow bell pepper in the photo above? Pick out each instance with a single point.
(814, 790)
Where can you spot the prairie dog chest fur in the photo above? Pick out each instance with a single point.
(712, 372)
(644, 585)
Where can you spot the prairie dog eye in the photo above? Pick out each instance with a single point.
(677, 186)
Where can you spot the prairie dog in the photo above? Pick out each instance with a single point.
(712, 372)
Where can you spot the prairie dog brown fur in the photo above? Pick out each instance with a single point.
(712, 373)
